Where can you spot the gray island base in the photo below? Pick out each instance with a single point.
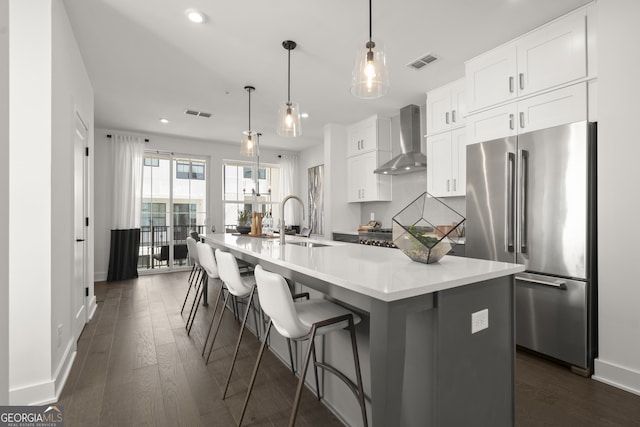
(422, 365)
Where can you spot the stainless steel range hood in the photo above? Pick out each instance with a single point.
(410, 159)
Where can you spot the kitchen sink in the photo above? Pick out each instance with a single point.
(307, 244)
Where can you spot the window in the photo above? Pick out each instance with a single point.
(152, 161)
(153, 214)
(240, 191)
(174, 202)
(189, 170)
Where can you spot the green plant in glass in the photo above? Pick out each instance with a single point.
(427, 229)
(244, 217)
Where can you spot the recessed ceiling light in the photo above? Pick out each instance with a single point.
(304, 115)
(163, 120)
(195, 16)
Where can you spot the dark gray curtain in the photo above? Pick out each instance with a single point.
(123, 256)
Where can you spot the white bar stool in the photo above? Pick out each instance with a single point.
(239, 287)
(209, 265)
(199, 281)
(304, 321)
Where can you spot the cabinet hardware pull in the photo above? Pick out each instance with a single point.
(448, 186)
(446, 117)
(455, 187)
(510, 84)
(521, 120)
(521, 77)
(453, 116)
(511, 121)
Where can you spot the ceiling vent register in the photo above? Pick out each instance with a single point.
(423, 61)
(197, 113)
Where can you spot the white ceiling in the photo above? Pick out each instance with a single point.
(147, 61)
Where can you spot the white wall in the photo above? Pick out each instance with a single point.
(30, 198)
(71, 93)
(217, 153)
(47, 81)
(339, 215)
(311, 157)
(618, 361)
(4, 207)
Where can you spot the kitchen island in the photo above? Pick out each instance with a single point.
(425, 366)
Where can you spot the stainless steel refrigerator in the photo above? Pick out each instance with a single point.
(531, 199)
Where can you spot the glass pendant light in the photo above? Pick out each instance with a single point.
(248, 144)
(370, 78)
(289, 112)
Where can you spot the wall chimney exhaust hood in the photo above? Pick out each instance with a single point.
(410, 159)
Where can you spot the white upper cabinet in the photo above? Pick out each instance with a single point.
(491, 78)
(446, 107)
(446, 163)
(551, 56)
(362, 184)
(554, 55)
(566, 105)
(368, 146)
(368, 135)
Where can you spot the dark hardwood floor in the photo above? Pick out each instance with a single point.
(136, 366)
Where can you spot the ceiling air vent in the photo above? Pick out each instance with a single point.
(197, 113)
(422, 61)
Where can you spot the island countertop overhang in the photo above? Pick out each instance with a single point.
(385, 274)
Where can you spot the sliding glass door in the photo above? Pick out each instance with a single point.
(174, 204)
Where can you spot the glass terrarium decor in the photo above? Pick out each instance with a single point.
(427, 229)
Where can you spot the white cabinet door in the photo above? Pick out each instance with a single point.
(491, 78)
(555, 54)
(446, 107)
(363, 184)
(355, 173)
(558, 107)
(439, 164)
(438, 110)
(355, 136)
(368, 135)
(491, 124)
(447, 164)
(458, 103)
(458, 162)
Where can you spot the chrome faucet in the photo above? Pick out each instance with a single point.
(291, 196)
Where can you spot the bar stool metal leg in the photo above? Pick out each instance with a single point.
(213, 317)
(196, 302)
(215, 334)
(255, 373)
(190, 286)
(235, 353)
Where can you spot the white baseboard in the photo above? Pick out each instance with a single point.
(49, 391)
(617, 376)
(100, 276)
(93, 305)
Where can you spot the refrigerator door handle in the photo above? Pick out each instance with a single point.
(560, 284)
(524, 190)
(509, 235)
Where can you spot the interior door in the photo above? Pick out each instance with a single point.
(80, 245)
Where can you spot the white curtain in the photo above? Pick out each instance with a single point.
(288, 185)
(127, 154)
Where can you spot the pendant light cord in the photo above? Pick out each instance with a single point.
(370, 21)
(249, 90)
(289, 77)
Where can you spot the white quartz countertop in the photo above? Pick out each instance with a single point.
(382, 273)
